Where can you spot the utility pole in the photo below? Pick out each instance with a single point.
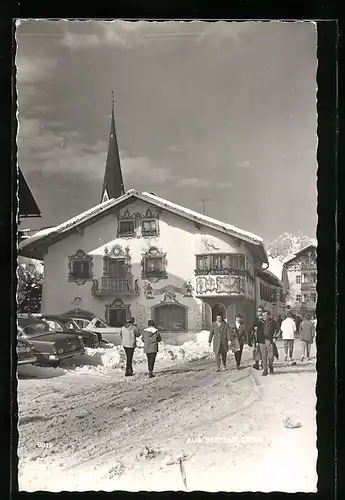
(204, 200)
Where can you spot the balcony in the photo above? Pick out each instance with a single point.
(219, 271)
(309, 285)
(104, 286)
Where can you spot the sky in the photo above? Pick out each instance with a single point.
(219, 111)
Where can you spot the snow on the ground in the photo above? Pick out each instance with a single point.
(87, 427)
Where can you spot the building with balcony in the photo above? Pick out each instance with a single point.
(144, 256)
(302, 273)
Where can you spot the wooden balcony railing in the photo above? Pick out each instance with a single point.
(115, 286)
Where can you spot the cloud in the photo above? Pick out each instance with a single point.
(84, 34)
(193, 182)
(244, 164)
(34, 69)
(142, 169)
(220, 30)
(52, 149)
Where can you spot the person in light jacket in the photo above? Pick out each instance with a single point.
(151, 338)
(288, 328)
(221, 335)
(128, 335)
(306, 336)
(239, 331)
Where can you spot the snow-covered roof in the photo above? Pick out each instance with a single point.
(276, 267)
(313, 243)
(49, 234)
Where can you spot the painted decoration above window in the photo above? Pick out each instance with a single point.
(154, 265)
(138, 224)
(232, 285)
(80, 267)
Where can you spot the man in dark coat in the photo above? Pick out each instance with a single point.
(239, 332)
(253, 338)
(266, 339)
(220, 333)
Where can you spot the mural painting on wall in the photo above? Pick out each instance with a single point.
(169, 297)
(188, 289)
(148, 290)
(204, 285)
(95, 287)
(210, 247)
(224, 284)
(76, 303)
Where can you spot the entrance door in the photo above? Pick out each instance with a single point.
(117, 317)
(170, 318)
(218, 309)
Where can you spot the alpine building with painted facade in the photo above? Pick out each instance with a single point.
(136, 254)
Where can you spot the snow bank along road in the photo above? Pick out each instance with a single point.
(103, 431)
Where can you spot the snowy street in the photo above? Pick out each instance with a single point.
(88, 427)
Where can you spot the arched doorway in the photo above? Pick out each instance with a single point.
(218, 309)
(170, 317)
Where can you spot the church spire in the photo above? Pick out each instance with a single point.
(113, 186)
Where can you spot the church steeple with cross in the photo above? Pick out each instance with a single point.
(113, 186)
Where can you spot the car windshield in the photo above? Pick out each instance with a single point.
(72, 325)
(99, 324)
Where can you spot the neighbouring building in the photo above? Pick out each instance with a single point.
(302, 273)
(272, 288)
(136, 254)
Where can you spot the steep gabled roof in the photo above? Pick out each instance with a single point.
(289, 259)
(49, 236)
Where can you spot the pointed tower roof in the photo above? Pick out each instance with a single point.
(113, 186)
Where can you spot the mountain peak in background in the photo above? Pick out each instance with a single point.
(286, 245)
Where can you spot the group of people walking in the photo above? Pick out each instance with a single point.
(262, 337)
(151, 338)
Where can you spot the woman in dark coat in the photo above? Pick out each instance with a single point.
(151, 338)
(239, 332)
(306, 336)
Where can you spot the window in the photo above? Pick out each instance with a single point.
(298, 298)
(100, 324)
(54, 326)
(149, 227)
(80, 269)
(298, 279)
(305, 297)
(126, 228)
(313, 297)
(314, 278)
(154, 264)
(116, 268)
(220, 263)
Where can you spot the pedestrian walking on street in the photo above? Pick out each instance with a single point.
(221, 335)
(306, 335)
(253, 338)
(151, 338)
(288, 328)
(128, 335)
(239, 332)
(266, 338)
(279, 324)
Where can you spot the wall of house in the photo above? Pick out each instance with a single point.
(276, 307)
(294, 287)
(179, 238)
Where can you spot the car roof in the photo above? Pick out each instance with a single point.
(58, 317)
(30, 321)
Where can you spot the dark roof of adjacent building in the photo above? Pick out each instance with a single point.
(27, 203)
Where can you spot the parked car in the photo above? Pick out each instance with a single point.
(105, 332)
(49, 347)
(25, 352)
(61, 323)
